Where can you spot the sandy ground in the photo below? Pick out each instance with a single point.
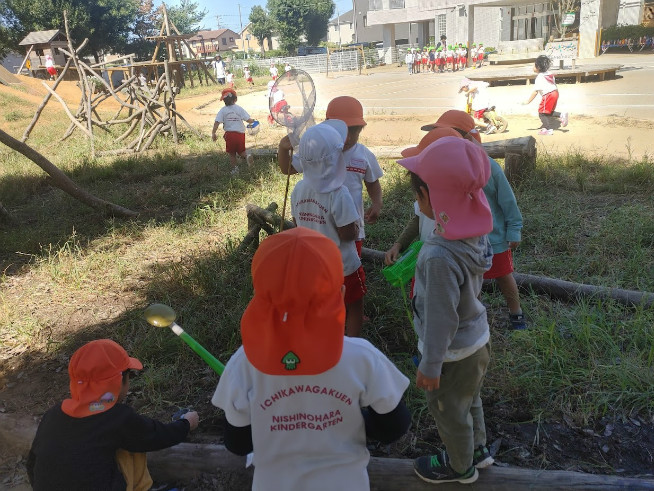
(613, 117)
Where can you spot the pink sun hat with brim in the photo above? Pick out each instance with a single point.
(455, 171)
(430, 137)
(321, 154)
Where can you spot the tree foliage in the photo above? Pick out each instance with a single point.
(294, 18)
(106, 23)
(187, 16)
(262, 26)
(145, 25)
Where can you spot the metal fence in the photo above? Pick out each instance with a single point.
(339, 61)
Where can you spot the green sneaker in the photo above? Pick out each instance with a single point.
(436, 469)
(482, 458)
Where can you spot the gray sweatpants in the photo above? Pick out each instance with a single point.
(456, 406)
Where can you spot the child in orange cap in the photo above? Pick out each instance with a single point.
(449, 319)
(232, 116)
(294, 391)
(362, 169)
(507, 221)
(86, 442)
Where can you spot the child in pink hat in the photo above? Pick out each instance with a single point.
(448, 177)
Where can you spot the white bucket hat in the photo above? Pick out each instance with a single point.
(321, 153)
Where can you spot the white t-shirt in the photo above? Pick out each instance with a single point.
(229, 78)
(545, 83)
(218, 68)
(232, 118)
(361, 165)
(324, 212)
(425, 224)
(480, 98)
(408, 58)
(308, 431)
(246, 73)
(287, 68)
(273, 71)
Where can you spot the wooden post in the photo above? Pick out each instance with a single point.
(516, 168)
(171, 103)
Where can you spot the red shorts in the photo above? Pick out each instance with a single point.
(234, 142)
(249, 79)
(274, 77)
(52, 70)
(548, 102)
(449, 59)
(355, 286)
(479, 114)
(432, 62)
(502, 265)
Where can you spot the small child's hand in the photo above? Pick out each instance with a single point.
(514, 245)
(427, 383)
(213, 136)
(193, 419)
(371, 214)
(391, 255)
(285, 144)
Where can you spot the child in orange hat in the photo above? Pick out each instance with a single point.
(294, 391)
(448, 177)
(86, 442)
(507, 220)
(232, 116)
(362, 169)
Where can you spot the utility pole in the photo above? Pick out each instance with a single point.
(241, 33)
(338, 22)
(354, 20)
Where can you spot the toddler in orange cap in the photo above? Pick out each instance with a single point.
(231, 115)
(448, 177)
(362, 169)
(295, 390)
(86, 442)
(507, 219)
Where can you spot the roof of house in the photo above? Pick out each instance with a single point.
(39, 37)
(213, 34)
(346, 18)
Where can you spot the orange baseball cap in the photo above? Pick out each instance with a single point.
(456, 119)
(227, 93)
(430, 137)
(95, 372)
(346, 109)
(295, 323)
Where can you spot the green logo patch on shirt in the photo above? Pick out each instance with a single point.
(290, 360)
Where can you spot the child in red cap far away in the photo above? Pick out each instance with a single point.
(86, 442)
(448, 177)
(232, 116)
(362, 169)
(297, 392)
(507, 220)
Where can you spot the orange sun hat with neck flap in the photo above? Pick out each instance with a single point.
(96, 375)
(456, 119)
(430, 137)
(295, 323)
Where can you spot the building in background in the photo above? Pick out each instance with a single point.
(208, 44)
(492, 21)
(247, 41)
(349, 29)
(39, 44)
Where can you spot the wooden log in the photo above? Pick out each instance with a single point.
(186, 461)
(73, 119)
(268, 216)
(518, 167)
(561, 289)
(63, 182)
(171, 102)
(525, 145)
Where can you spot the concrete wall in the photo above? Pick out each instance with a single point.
(610, 13)
(630, 12)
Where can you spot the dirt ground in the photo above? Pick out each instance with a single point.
(396, 106)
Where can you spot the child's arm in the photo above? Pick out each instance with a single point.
(216, 124)
(389, 427)
(142, 434)
(375, 192)
(238, 439)
(407, 236)
(348, 232)
(531, 97)
(285, 155)
(507, 202)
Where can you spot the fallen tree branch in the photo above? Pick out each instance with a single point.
(63, 182)
(561, 289)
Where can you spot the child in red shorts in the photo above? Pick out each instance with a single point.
(546, 87)
(232, 117)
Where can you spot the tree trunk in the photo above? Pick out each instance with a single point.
(63, 182)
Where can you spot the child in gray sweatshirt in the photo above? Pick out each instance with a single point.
(448, 177)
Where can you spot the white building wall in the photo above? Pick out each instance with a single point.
(487, 25)
(630, 12)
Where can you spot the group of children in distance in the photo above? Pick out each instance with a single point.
(443, 57)
(299, 393)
